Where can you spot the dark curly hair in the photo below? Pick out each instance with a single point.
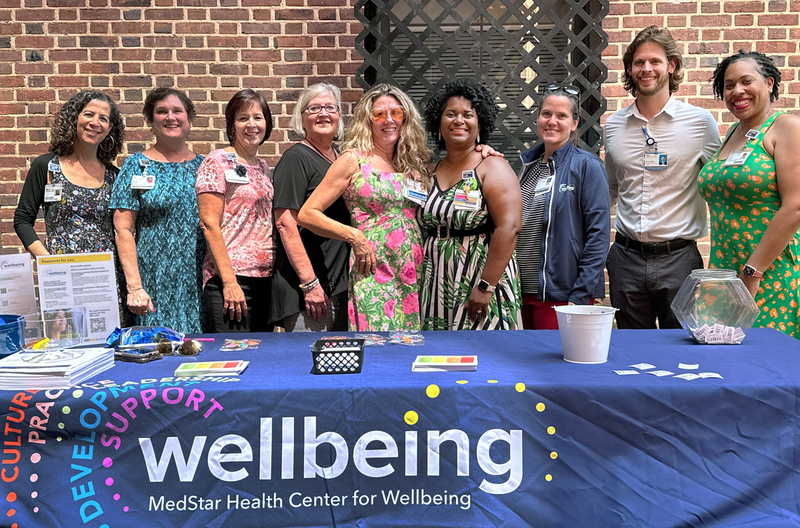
(663, 38)
(62, 134)
(477, 94)
(159, 94)
(241, 100)
(763, 64)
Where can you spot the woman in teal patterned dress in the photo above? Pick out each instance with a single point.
(753, 190)
(157, 226)
(471, 218)
(385, 152)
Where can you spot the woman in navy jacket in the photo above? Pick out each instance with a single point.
(566, 222)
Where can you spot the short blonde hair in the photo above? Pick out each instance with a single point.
(411, 152)
(296, 122)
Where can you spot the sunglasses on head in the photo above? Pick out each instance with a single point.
(397, 113)
(316, 109)
(566, 88)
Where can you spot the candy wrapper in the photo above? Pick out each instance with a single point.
(372, 339)
(407, 337)
(141, 335)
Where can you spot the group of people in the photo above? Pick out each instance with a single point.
(355, 228)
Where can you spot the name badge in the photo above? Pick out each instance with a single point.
(737, 157)
(655, 160)
(234, 176)
(544, 186)
(53, 191)
(144, 163)
(54, 166)
(751, 134)
(467, 196)
(414, 191)
(230, 156)
(143, 181)
(468, 174)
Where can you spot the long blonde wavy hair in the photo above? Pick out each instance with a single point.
(411, 152)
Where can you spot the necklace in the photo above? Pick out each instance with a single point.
(318, 151)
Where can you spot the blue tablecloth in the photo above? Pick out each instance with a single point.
(526, 440)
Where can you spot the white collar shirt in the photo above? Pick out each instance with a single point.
(659, 205)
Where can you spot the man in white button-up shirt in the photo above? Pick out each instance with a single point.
(654, 150)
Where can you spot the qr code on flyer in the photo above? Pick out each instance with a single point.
(97, 325)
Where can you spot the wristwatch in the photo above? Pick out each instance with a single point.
(750, 271)
(485, 286)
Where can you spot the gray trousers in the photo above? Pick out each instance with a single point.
(334, 321)
(643, 286)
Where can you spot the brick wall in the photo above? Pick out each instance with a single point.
(708, 32)
(50, 49)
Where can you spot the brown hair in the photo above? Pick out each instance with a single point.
(663, 38)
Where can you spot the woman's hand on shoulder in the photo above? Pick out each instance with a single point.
(487, 151)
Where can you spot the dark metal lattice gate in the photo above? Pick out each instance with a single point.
(515, 47)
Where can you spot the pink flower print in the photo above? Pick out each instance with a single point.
(384, 273)
(366, 169)
(395, 238)
(375, 208)
(365, 190)
(408, 274)
(418, 254)
(398, 187)
(387, 176)
(411, 304)
(410, 212)
(351, 313)
(388, 308)
(362, 322)
(360, 217)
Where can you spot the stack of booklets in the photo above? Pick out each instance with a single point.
(445, 364)
(53, 369)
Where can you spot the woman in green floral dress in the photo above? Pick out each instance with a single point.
(385, 154)
(471, 218)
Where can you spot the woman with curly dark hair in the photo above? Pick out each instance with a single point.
(73, 182)
(753, 192)
(470, 219)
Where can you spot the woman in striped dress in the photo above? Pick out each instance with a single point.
(470, 220)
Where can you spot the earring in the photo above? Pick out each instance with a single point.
(111, 148)
(478, 139)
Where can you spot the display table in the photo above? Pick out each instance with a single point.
(527, 440)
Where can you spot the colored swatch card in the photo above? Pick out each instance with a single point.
(445, 364)
(212, 368)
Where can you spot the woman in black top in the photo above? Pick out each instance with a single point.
(73, 182)
(309, 286)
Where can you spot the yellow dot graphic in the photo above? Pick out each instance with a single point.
(554, 455)
(61, 425)
(65, 409)
(548, 477)
(77, 393)
(432, 391)
(411, 417)
(540, 407)
(520, 387)
(491, 381)
(462, 382)
(551, 430)
(58, 439)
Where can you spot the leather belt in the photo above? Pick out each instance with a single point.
(653, 248)
(443, 232)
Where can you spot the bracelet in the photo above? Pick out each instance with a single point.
(310, 285)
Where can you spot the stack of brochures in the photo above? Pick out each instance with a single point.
(53, 369)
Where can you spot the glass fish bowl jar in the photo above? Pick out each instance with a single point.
(715, 307)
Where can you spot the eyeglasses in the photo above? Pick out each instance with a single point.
(566, 88)
(397, 113)
(316, 109)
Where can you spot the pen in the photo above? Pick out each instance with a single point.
(208, 339)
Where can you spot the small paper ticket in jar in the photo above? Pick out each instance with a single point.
(719, 334)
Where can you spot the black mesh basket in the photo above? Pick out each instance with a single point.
(338, 356)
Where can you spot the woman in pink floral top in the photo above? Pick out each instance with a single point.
(386, 152)
(234, 197)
